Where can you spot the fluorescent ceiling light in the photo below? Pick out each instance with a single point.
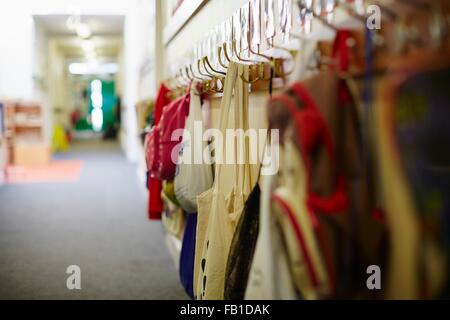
(90, 68)
(83, 30)
(71, 23)
(91, 55)
(88, 45)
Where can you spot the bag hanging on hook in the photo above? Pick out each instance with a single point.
(162, 148)
(325, 126)
(187, 254)
(194, 173)
(411, 120)
(224, 202)
(155, 204)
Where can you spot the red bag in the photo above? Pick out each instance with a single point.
(159, 143)
(173, 118)
(151, 154)
(155, 204)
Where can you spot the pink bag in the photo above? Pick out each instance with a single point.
(151, 146)
(159, 145)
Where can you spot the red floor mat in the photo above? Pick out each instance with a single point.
(55, 171)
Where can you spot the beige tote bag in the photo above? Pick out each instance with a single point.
(220, 207)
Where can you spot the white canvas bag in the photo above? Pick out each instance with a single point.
(194, 173)
(270, 276)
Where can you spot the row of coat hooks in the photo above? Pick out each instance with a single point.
(265, 34)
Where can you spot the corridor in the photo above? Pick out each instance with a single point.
(97, 222)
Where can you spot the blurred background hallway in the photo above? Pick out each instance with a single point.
(76, 78)
(45, 227)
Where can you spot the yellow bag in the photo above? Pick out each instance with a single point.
(59, 139)
(169, 192)
(173, 218)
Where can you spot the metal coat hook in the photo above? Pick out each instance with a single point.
(236, 53)
(254, 68)
(193, 74)
(200, 71)
(225, 52)
(219, 54)
(206, 60)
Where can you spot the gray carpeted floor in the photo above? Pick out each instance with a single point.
(98, 223)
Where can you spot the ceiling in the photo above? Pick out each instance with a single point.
(106, 31)
(105, 46)
(99, 24)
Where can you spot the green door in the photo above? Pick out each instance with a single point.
(101, 104)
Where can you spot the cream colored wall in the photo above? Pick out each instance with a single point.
(57, 81)
(147, 85)
(212, 14)
(136, 50)
(16, 45)
(41, 76)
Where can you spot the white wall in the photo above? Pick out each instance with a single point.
(57, 80)
(147, 85)
(41, 76)
(16, 41)
(138, 50)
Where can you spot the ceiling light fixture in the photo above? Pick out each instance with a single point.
(79, 68)
(91, 55)
(71, 23)
(88, 45)
(83, 30)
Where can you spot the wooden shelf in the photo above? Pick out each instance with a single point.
(24, 131)
(28, 125)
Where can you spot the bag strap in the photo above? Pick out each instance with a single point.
(338, 200)
(311, 128)
(225, 105)
(301, 240)
(195, 105)
(234, 84)
(340, 50)
(243, 123)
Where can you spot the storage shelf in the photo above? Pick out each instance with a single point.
(24, 127)
(28, 125)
